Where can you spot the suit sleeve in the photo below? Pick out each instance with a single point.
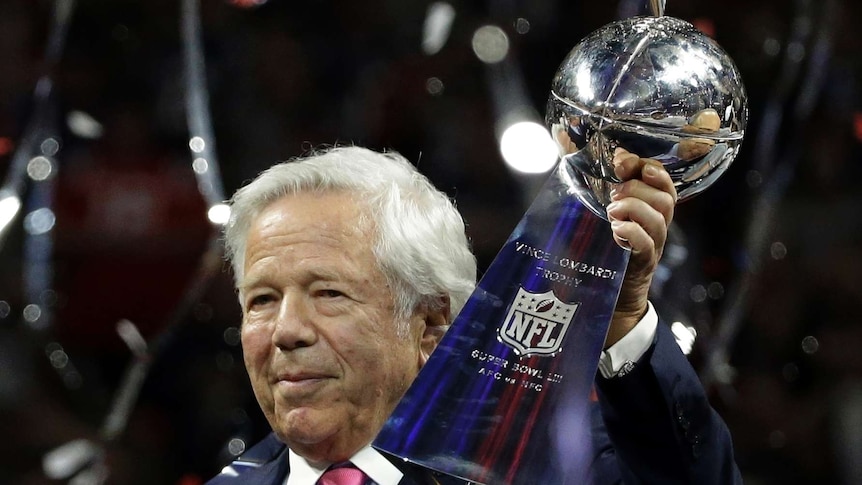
(660, 423)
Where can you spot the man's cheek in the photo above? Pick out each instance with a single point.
(254, 343)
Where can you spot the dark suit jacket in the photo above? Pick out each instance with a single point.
(660, 423)
(652, 426)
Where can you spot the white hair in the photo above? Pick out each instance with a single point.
(421, 246)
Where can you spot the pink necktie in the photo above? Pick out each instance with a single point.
(343, 475)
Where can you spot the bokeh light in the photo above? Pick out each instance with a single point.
(219, 214)
(490, 44)
(527, 147)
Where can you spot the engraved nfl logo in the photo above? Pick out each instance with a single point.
(536, 323)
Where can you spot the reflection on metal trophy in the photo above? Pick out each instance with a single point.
(505, 398)
(657, 87)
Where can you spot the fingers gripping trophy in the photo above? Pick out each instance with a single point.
(504, 397)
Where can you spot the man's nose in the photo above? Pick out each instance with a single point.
(294, 327)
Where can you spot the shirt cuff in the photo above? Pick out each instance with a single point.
(620, 358)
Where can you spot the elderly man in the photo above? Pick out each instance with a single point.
(350, 266)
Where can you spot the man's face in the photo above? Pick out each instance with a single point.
(319, 335)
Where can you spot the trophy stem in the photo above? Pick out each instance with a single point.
(657, 7)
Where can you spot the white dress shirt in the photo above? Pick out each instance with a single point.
(369, 460)
(621, 357)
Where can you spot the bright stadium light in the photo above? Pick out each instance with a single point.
(527, 147)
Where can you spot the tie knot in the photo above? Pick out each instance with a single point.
(343, 474)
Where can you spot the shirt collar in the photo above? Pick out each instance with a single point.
(369, 460)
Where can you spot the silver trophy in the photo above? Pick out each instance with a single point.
(657, 87)
(504, 399)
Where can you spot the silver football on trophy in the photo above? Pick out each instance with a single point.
(657, 87)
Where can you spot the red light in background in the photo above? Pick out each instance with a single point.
(857, 126)
(247, 3)
(189, 479)
(6, 146)
(705, 25)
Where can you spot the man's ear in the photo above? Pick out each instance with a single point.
(436, 324)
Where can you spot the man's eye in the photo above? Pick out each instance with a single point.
(330, 293)
(261, 300)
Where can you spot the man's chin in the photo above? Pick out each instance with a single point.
(318, 452)
(319, 442)
(306, 435)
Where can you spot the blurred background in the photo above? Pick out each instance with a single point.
(110, 274)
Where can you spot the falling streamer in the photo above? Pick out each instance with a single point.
(40, 126)
(206, 169)
(201, 135)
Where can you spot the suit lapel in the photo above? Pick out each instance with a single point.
(418, 475)
(275, 471)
